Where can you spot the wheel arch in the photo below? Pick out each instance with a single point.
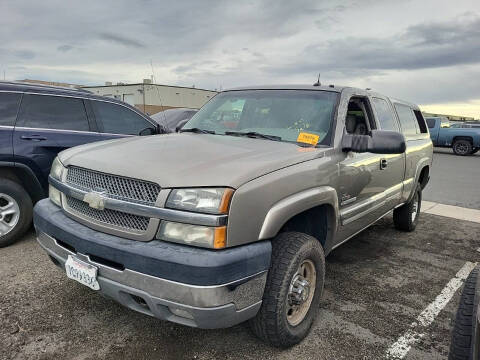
(462, 137)
(24, 176)
(298, 212)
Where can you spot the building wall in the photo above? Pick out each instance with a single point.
(449, 117)
(157, 97)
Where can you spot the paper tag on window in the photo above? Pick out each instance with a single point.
(308, 138)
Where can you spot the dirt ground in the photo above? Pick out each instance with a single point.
(376, 285)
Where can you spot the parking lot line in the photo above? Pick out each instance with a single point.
(416, 331)
(455, 212)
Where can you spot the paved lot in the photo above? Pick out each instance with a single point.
(376, 285)
(454, 180)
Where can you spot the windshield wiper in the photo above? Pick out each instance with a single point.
(254, 134)
(198, 131)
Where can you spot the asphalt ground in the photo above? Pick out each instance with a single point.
(376, 286)
(454, 180)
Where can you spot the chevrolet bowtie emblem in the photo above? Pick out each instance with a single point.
(95, 199)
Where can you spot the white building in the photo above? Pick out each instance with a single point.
(152, 98)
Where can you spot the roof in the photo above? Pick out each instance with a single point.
(333, 88)
(21, 86)
(137, 84)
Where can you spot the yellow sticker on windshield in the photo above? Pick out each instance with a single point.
(308, 138)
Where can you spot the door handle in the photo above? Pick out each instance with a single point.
(383, 164)
(33, 137)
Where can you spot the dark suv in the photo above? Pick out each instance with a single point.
(36, 122)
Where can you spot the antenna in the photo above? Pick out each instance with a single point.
(318, 81)
(158, 92)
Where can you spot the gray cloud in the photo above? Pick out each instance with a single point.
(64, 48)
(386, 45)
(121, 40)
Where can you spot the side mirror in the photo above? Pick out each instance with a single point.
(147, 131)
(380, 142)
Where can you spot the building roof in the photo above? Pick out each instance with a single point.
(137, 84)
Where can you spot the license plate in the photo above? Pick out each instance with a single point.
(82, 272)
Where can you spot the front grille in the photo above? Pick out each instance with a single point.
(109, 217)
(116, 187)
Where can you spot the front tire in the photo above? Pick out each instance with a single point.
(15, 212)
(293, 290)
(406, 216)
(462, 147)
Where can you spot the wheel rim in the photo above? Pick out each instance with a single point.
(461, 148)
(415, 207)
(9, 214)
(300, 293)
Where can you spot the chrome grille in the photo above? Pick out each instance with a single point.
(109, 217)
(116, 187)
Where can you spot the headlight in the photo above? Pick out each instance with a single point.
(204, 200)
(195, 235)
(57, 169)
(55, 195)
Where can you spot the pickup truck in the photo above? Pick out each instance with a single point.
(229, 221)
(463, 141)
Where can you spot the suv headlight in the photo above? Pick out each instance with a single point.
(203, 200)
(57, 169)
(56, 172)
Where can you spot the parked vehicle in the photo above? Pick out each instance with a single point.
(465, 344)
(213, 226)
(36, 122)
(173, 119)
(463, 141)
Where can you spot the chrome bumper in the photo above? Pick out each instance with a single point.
(199, 306)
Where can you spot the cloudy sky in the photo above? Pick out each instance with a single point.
(424, 51)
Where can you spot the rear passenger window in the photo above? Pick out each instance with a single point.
(385, 115)
(8, 108)
(53, 112)
(407, 119)
(117, 119)
(431, 123)
(420, 121)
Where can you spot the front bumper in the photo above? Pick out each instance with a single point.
(199, 287)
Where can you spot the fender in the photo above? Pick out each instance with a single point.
(423, 162)
(294, 204)
(27, 177)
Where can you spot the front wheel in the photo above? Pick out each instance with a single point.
(15, 212)
(406, 216)
(293, 290)
(462, 147)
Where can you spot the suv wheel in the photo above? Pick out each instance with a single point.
(293, 290)
(406, 216)
(15, 212)
(462, 147)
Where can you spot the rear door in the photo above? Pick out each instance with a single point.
(8, 112)
(115, 120)
(46, 125)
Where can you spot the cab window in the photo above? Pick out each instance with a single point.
(385, 115)
(8, 108)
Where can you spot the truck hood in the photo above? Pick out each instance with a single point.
(189, 160)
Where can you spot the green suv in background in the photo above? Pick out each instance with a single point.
(231, 219)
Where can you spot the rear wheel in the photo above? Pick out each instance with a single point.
(462, 147)
(406, 216)
(15, 212)
(293, 290)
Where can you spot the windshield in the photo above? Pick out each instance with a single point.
(291, 115)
